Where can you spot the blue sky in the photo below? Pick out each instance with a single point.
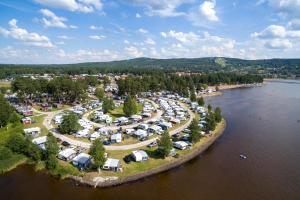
(71, 31)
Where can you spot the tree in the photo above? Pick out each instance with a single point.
(7, 112)
(193, 95)
(218, 115)
(209, 108)
(217, 88)
(69, 124)
(51, 145)
(210, 122)
(51, 162)
(107, 105)
(130, 106)
(164, 144)
(34, 152)
(51, 152)
(195, 131)
(201, 101)
(99, 93)
(97, 151)
(17, 143)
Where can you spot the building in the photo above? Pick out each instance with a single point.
(82, 160)
(116, 138)
(180, 145)
(112, 165)
(66, 154)
(139, 156)
(40, 141)
(33, 132)
(26, 120)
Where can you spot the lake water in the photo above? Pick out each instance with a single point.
(263, 123)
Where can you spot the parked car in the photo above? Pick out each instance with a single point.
(143, 138)
(152, 144)
(65, 143)
(127, 159)
(106, 142)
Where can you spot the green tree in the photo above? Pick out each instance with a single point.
(51, 162)
(218, 115)
(34, 152)
(130, 106)
(201, 101)
(210, 122)
(69, 124)
(51, 152)
(209, 108)
(51, 145)
(193, 95)
(97, 151)
(17, 143)
(164, 144)
(99, 93)
(7, 112)
(107, 105)
(195, 131)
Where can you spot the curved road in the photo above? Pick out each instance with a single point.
(54, 131)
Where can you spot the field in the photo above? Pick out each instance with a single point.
(5, 84)
(118, 111)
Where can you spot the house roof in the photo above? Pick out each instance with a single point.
(111, 162)
(81, 158)
(40, 140)
(67, 152)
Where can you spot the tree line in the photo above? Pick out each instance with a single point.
(180, 84)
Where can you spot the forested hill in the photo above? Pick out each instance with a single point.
(209, 64)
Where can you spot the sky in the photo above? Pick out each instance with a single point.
(73, 31)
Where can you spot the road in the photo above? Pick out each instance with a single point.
(54, 131)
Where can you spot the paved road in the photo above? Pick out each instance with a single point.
(54, 131)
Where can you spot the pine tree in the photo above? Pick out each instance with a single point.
(201, 101)
(195, 131)
(130, 106)
(218, 115)
(97, 151)
(164, 145)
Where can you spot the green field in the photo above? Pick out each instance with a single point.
(118, 111)
(5, 84)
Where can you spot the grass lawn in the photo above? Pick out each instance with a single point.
(38, 123)
(5, 84)
(15, 159)
(53, 109)
(118, 111)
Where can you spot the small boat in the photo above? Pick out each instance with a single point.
(243, 156)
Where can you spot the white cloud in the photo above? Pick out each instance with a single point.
(92, 27)
(277, 37)
(137, 15)
(141, 30)
(181, 36)
(97, 37)
(126, 42)
(132, 51)
(85, 6)
(278, 44)
(207, 10)
(52, 20)
(64, 37)
(32, 39)
(204, 14)
(163, 8)
(289, 7)
(150, 41)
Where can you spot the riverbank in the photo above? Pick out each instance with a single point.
(184, 156)
(229, 87)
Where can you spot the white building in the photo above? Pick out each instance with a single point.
(140, 156)
(116, 138)
(112, 164)
(40, 141)
(35, 131)
(66, 154)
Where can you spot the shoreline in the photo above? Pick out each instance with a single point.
(199, 148)
(230, 87)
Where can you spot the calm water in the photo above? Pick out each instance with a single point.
(262, 124)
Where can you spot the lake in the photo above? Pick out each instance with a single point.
(263, 123)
